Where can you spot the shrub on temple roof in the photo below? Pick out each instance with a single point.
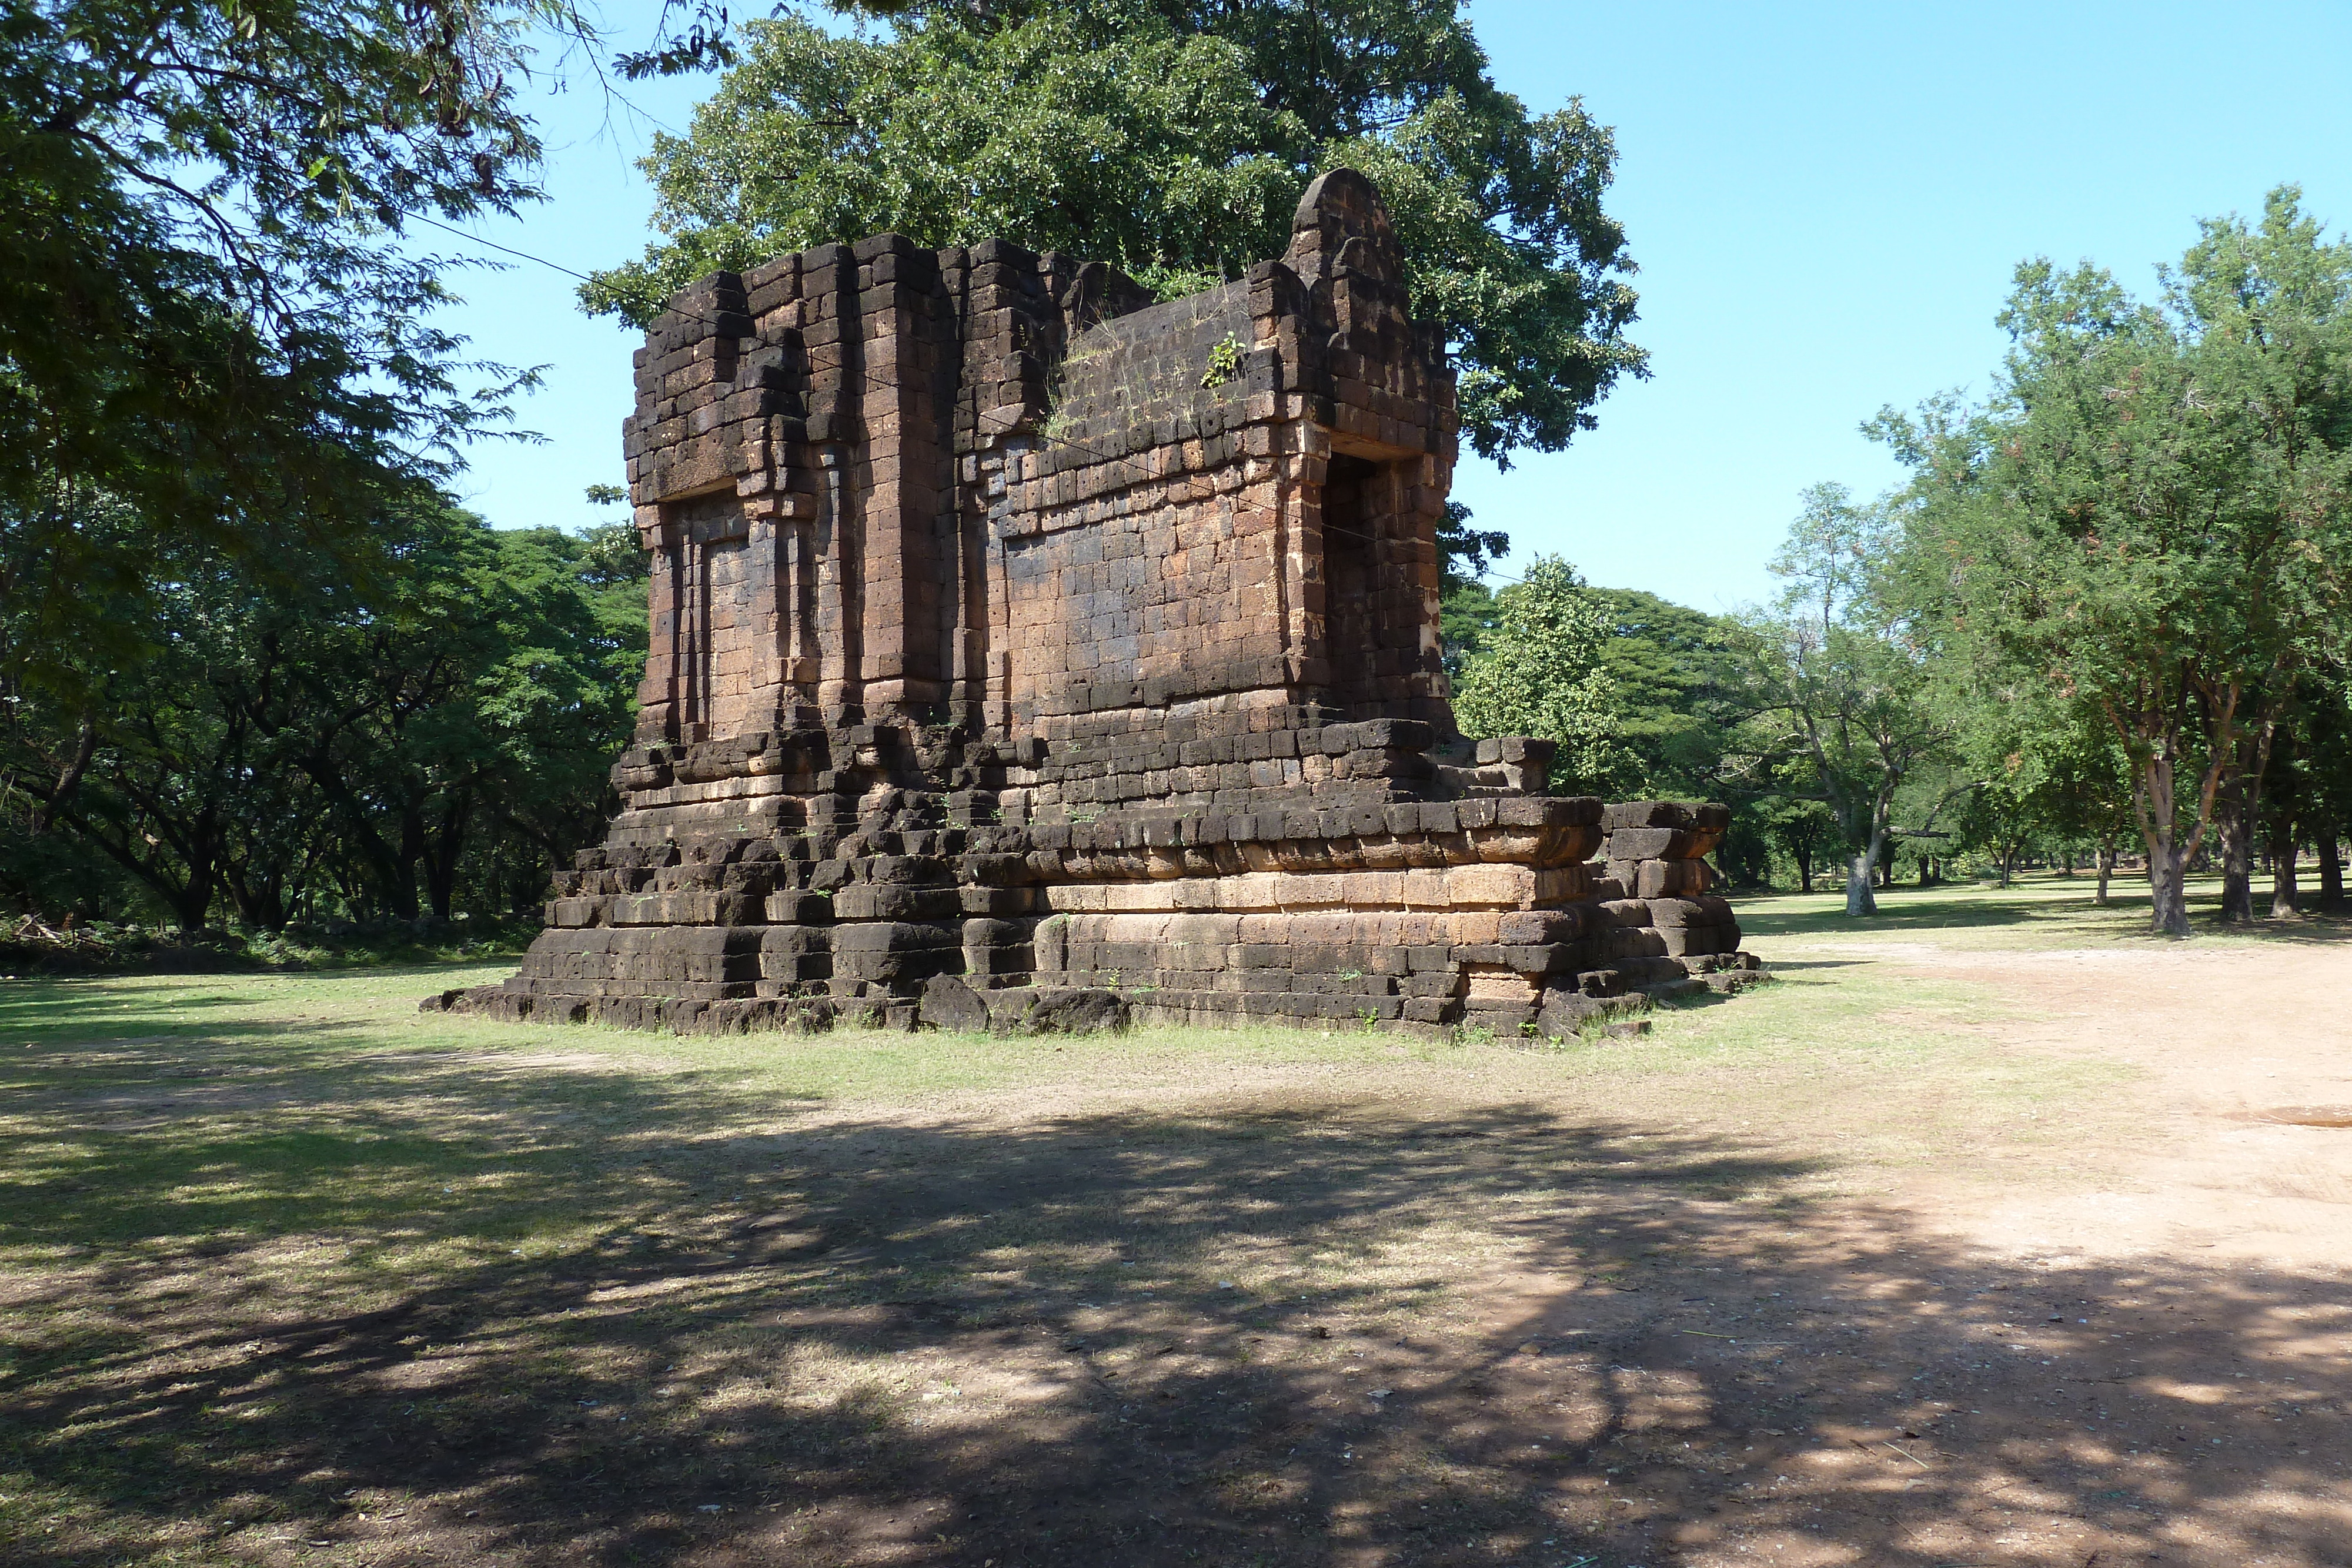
(1174, 140)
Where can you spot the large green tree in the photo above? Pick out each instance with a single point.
(1683, 715)
(1540, 672)
(214, 314)
(1678, 694)
(1171, 138)
(1840, 686)
(2152, 516)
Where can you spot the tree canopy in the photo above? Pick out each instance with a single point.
(207, 320)
(1541, 675)
(2152, 515)
(284, 743)
(1173, 139)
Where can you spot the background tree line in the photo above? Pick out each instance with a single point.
(295, 751)
(253, 663)
(2108, 612)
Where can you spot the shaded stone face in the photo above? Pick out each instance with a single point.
(1009, 626)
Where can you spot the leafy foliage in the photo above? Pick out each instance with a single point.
(292, 744)
(1655, 687)
(1840, 688)
(1683, 715)
(206, 318)
(1541, 675)
(1173, 139)
(1679, 696)
(2152, 515)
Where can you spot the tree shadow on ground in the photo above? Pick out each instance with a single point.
(1344, 1331)
(1942, 910)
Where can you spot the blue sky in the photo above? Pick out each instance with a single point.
(1826, 202)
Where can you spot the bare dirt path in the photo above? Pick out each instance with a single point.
(2239, 1143)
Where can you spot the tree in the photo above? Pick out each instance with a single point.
(1650, 687)
(1840, 686)
(282, 738)
(1540, 673)
(2307, 790)
(2326, 799)
(208, 318)
(1799, 826)
(153, 764)
(224, 404)
(2150, 515)
(1465, 605)
(1679, 696)
(2043, 766)
(1682, 710)
(1171, 137)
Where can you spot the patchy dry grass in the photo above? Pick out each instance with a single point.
(291, 1273)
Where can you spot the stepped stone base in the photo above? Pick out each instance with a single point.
(1493, 910)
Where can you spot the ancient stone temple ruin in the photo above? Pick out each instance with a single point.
(1025, 650)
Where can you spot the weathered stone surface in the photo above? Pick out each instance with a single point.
(1024, 649)
(1566, 1013)
(1081, 1012)
(949, 1004)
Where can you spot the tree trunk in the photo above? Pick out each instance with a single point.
(191, 901)
(442, 855)
(2331, 871)
(2066, 862)
(2239, 806)
(2237, 835)
(2284, 892)
(2167, 886)
(1804, 867)
(261, 905)
(2107, 869)
(1858, 899)
(2156, 805)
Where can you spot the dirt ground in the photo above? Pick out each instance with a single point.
(1950, 1249)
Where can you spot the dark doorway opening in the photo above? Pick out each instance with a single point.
(1349, 637)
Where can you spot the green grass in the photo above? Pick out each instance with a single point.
(268, 1240)
(2043, 909)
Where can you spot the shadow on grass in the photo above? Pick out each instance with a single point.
(2045, 905)
(41, 1008)
(775, 1336)
(1934, 910)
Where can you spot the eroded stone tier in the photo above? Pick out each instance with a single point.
(1013, 636)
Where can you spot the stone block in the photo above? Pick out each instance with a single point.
(1655, 843)
(1670, 879)
(949, 1004)
(1083, 1010)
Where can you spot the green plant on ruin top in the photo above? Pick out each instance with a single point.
(1173, 139)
